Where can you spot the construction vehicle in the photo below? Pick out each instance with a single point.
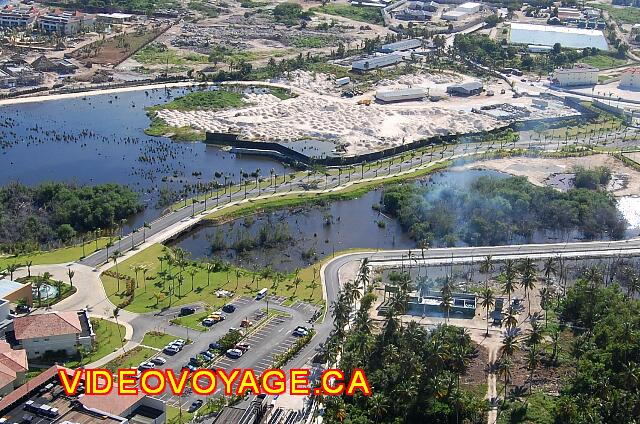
(365, 102)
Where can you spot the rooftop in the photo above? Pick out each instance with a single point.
(548, 35)
(7, 286)
(403, 45)
(48, 324)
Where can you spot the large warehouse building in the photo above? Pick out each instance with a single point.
(547, 35)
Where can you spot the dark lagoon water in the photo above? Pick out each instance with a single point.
(317, 231)
(99, 139)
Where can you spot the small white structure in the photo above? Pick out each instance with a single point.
(403, 95)
(343, 81)
(469, 7)
(580, 74)
(630, 79)
(462, 11)
(376, 62)
(533, 48)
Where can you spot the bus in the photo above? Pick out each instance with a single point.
(261, 294)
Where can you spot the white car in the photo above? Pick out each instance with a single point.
(178, 342)
(234, 353)
(171, 350)
(146, 366)
(300, 332)
(158, 360)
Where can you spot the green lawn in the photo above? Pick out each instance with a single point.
(193, 321)
(157, 339)
(152, 294)
(621, 14)
(364, 14)
(131, 359)
(109, 336)
(63, 255)
(537, 409)
(177, 416)
(218, 99)
(160, 54)
(159, 128)
(603, 61)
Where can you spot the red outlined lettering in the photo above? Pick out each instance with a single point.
(248, 381)
(70, 387)
(127, 382)
(338, 384)
(358, 381)
(98, 381)
(299, 378)
(228, 379)
(177, 386)
(153, 390)
(273, 382)
(203, 390)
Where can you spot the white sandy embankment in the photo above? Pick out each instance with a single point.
(359, 128)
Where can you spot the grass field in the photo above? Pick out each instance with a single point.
(371, 15)
(159, 54)
(193, 321)
(131, 359)
(154, 294)
(623, 15)
(218, 99)
(603, 61)
(177, 416)
(157, 339)
(108, 339)
(57, 256)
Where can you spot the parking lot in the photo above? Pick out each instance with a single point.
(266, 339)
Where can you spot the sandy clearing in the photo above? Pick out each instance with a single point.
(537, 170)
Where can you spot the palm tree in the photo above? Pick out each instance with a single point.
(545, 302)
(238, 274)
(486, 267)
(508, 286)
(446, 303)
(487, 300)
(378, 405)
(364, 272)
(209, 267)
(136, 271)
(28, 264)
(510, 319)
(549, 268)
(528, 271)
(117, 255)
(511, 342)
(192, 273)
(70, 274)
(116, 314)
(11, 268)
(504, 371)
(532, 364)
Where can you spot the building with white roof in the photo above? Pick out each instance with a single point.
(580, 74)
(376, 62)
(18, 17)
(462, 11)
(548, 35)
(402, 95)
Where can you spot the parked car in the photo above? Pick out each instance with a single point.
(195, 405)
(178, 342)
(170, 350)
(208, 322)
(234, 353)
(206, 355)
(300, 332)
(214, 345)
(187, 310)
(243, 346)
(217, 317)
(146, 366)
(23, 309)
(229, 308)
(189, 367)
(246, 323)
(158, 360)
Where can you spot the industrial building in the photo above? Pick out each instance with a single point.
(18, 17)
(580, 74)
(548, 35)
(376, 62)
(534, 48)
(114, 18)
(630, 79)
(403, 95)
(462, 11)
(470, 88)
(401, 46)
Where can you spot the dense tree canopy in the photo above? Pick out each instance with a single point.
(498, 211)
(57, 211)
